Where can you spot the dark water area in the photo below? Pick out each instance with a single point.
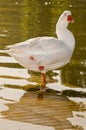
(24, 19)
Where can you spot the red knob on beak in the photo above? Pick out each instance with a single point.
(70, 19)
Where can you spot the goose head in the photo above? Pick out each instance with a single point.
(65, 19)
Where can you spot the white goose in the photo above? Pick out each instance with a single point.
(46, 53)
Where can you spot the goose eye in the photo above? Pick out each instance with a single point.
(65, 14)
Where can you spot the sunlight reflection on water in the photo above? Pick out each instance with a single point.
(14, 72)
(5, 59)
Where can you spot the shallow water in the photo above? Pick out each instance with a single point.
(62, 109)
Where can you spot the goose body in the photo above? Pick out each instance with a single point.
(46, 53)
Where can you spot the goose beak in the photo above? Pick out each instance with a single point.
(70, 19)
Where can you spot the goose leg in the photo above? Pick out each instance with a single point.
(43, 87)
(44, 81)
(41, 68)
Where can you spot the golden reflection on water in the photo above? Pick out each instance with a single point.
(50, 111)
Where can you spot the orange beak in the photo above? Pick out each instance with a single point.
(70, 19)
